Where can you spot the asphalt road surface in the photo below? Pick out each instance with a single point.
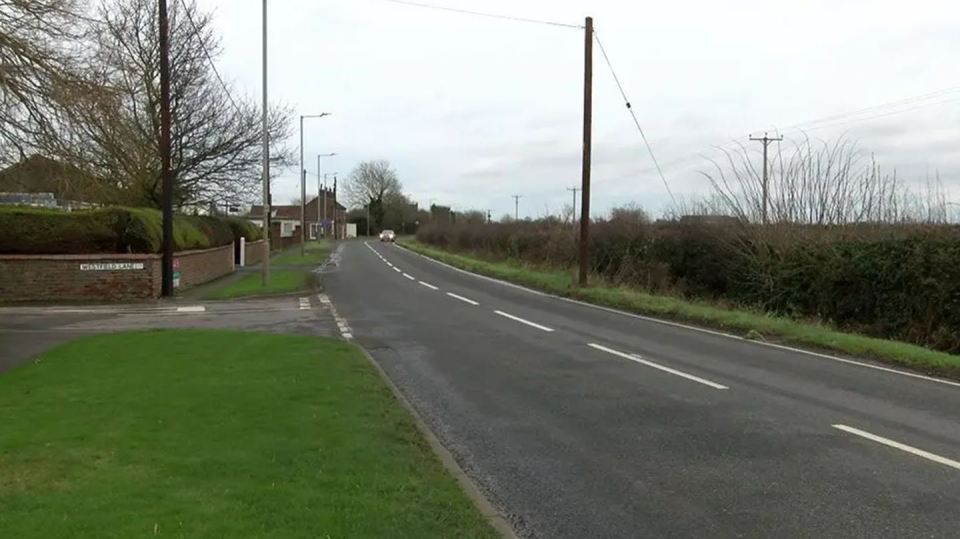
(582, 422)
(26, 332)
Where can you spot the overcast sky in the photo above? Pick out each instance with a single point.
(472, 110)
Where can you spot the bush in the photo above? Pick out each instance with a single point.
(244, 229)
(899, 282)
(107, 230)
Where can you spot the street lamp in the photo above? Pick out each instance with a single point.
(322, 192)
(265, 275)
(303, 185)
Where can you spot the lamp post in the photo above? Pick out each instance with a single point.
(303, 185)
(322, 193)
(265, 274)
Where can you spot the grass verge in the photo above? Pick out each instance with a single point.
(216, 434)
(315, 253)
(776, 329)
(281, 282)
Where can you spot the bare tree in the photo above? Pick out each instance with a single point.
(37, 61)
(112, 131)
(369, 185)
(819, 183)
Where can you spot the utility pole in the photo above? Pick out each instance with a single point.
(265, 275)
(489, 217)
(303, 186)
(368, 217)
(321, 194)
(765, 140)
(516, 207)
(575, 190)
(335, 233)
(587, 142)
(166, 176)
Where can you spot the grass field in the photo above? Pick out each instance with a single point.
(216, 434)
(776, 329)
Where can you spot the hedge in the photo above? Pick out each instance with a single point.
(112, 230)
(891, 281)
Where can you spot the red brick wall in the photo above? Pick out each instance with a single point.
(198, 267)
(51, 278)
(42, 278)
(254, 252)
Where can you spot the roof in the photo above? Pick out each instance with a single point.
(39, 174)
(290, 212)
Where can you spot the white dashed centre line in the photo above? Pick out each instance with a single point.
(463, 299)
(640, 360)
(522, 321)
(192, 309)
(902, 447)
(408, 276)
(396, 269)
(428, 285)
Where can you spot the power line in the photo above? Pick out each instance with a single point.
(482, 14)
(634, 116)
(206, 53)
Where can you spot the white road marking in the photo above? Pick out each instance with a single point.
(640, 360)
(304, 304)
(428, 285)
(389, 264)
(396, 269)
(463, 299)
(192, 309)
(341, 323)
(408, 276)
(522, 321)
(693, 328)
(902, 447)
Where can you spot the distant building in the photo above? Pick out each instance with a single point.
(286, 218)
(42, 182)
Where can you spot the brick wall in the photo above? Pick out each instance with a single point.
(42, 278)
(254, 252)
(198, 267)
(51, 278)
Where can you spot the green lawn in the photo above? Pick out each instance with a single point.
(251, 284)
(315, 254)
(782, 330)
(216, 434)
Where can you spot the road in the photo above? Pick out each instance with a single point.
(26, 332)
(581, 422)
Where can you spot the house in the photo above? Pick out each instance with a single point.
(285, 219)
(43, 182)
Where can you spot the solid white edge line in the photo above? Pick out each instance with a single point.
(408, 276)
(522, 321)
(428, 285)
(693, 328)
(463, 299)
(902, 447)
(635, 358)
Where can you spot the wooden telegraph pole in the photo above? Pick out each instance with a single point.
(166, 175)
(587, 141)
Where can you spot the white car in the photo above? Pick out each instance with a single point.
(388, 235)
